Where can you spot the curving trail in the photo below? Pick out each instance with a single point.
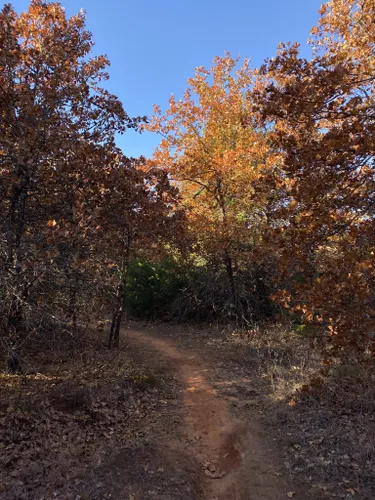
(233, 459)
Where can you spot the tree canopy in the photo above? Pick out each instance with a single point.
(263, 180)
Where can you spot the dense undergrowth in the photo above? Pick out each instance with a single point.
(169, 290)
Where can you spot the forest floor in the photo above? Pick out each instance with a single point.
(184, 413)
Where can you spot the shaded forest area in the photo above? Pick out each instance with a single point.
(255, 214)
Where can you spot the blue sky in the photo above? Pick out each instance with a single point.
(154, 45)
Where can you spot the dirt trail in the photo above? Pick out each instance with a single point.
(233, 459)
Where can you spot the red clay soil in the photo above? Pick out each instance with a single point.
(233, 460)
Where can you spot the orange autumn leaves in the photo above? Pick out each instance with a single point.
(278, 162)
(70, 199)
(321, 114)
(274, 167)
(216, 156)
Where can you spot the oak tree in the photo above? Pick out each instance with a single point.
(321, 116)
(218, 157)
(55, 115)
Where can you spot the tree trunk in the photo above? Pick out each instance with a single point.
(114, 332)
(237, 306)
(230, 274)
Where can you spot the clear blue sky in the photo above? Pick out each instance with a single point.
(154, 45)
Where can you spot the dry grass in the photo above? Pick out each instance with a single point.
(323, 415)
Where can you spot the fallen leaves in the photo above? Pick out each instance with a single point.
(70, 417)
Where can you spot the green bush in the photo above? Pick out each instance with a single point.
(169, 290)
(151, 287)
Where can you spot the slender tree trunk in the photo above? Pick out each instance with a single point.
(237, 306)
(230, 274)
(228, 262)
(114, 333)
(116, 329)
